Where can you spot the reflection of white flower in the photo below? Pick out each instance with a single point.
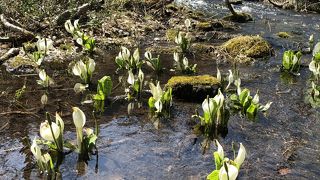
(46, 133)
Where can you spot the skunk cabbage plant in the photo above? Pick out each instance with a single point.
(227, 169)
(314, 65)
(125, 60)
(87, 42)
(181, 63)
(215, 115)
(249, 106)
(84, 70)
(135, 85)
(291, 61)
(161, 101)
(183, 42)
(45, 80)
(153, 62)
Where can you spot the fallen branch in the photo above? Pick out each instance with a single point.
(20, 112)
(275, 4)
(13, 27)
(11, 53)
(77, 12)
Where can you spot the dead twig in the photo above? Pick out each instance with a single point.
(13, 27)
(11, 53)
(20, 112)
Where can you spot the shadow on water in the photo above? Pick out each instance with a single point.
(135, 147)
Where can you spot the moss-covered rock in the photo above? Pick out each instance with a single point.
(240, 17)
(247, 47)
(20, 64)
(193, 88)
(171, 34)
(201, 48)
(283, 35)
(208, 26)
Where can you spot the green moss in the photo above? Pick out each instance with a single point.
(171, 34)
(193, 88)
(20, 61)
(209, 25)
(204, 26)
(240, 17)
(247, 47)
(283, 35)
(29, 47)
(201, 48)
(203, 80)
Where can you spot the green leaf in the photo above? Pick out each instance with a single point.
(316, 57)
(252, 111)
(287, 59)
(214, 175)
(217, 160)
(243, 96)
(151, 102)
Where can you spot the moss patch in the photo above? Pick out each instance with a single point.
(283, 35)
(163, 49)
(247, 47)
(240, 17)
(19, 61)
(171, 34)
(193, 88)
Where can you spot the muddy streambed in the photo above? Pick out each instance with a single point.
(284, 144)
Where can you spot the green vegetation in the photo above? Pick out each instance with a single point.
(227, 169)
(161, 101)
(291, 61)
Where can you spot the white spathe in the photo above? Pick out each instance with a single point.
(59, 122)
(47, 134)
(43, 75)
(241, 155)
(230, 175)
(130, 79)
(79, 118)
(220, 150)
(156, 91)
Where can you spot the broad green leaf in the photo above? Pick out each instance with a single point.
(252, 111)
(151, 102)
(243, 95)
(217, 160)
(214, 175)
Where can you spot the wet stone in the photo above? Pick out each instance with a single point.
(193, 88)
